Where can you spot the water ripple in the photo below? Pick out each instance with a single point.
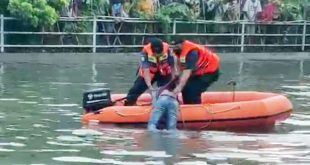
(115, 138)
(301, 132)
(6, 150)
(40, 126)
(302, 98)
(63, 110)
(300, 87)
(71, 114)
(31, 96)
(13, 144)
(302, 116)
(297, 122)
(103, 161)
(299, 93)
(264, 151)
(64, 130)
(28, 102)
(233, 138)
(213, 156)
(26, 85)
(85, 132)
(49, 112)
(266, 160)
(9, 99)
(60, 105)
(67, 144)
(16, 129)
(192, 163)
(300, 144)
(21, 137)
(78, 159)
(53, 150)
(70, 138)
(136, 153)
(61, 83)
(47, 98)
(96, 84)
(50, 120)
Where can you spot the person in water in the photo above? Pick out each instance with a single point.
(167, 106)
(156, 64)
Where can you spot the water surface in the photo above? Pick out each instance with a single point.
(40, 110)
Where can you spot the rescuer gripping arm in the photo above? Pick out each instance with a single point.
(189, 67)
(145, 65)
(183, 80)
(147, 78)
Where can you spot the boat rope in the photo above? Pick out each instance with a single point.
(182, 119)
(211, 113)
(208, 112)
(147, 110)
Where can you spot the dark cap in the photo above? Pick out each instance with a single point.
(157, 46)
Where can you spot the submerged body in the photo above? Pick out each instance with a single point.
(166, 106)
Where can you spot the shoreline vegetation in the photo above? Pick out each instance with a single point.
(45, 16)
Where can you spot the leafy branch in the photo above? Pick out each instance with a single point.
(35, 13)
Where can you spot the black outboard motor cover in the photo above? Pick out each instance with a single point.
(96, 99)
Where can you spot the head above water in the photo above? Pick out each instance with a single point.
(177, 48)
(157, 45)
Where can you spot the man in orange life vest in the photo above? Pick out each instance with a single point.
(199, 69)
(156, 64)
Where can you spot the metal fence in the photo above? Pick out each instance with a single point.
(98, 33)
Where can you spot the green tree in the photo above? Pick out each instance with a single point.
(305, 9)
(3, 6)
(58, 4)
(167, 13)
(293, 9)
(35, 13)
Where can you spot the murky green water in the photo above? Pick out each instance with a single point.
(40, 110)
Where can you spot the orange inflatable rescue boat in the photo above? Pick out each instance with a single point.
(218, 111)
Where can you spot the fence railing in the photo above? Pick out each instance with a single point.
(111, 33)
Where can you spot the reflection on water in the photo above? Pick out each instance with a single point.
(40, 110)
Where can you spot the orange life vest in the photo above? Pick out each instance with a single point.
(208, 62)
(157, 65)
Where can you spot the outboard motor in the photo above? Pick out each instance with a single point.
(96, 99)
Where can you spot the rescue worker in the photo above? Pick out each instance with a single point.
(156, 64)
(199, 68)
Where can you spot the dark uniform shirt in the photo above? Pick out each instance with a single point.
(191, 60)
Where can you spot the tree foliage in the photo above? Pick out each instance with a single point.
(101, 7)
(293, 9)
(35, 13)
(170, 12)
(3, 6)
(58, 5)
